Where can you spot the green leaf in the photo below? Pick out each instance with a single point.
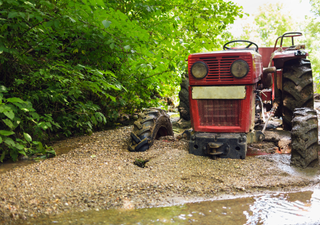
(24, 109)
(9, 142)
(71, 19)
(35, 115)
(40, 146)
(2, 48)
(12, 100)
(22, 152)
(12, 14)
(39, 18)
(106, 23)
(2, 108)
(27, 137)
(3, 88)
(49, 23)
(56, 23)
(43, 125)
(6, 132)
(0, 140)
(8, 123)
(9, 114)
(100, 2)
(14, 155)
(23, 15)
(51, 151)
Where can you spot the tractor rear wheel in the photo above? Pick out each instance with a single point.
(297, 90)
(184, 108)
(150, 125)
(304, 138)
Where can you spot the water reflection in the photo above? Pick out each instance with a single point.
(288, 208)
(285, 209)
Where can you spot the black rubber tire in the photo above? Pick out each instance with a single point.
(150, 125)
(183, 107)
(304, 138)
(297, 89)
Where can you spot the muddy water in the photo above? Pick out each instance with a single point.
(6, 166)
(284, 208)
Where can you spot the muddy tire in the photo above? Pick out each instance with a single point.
(150, 125)
(183, 108)
(297, 90)
(304, 138)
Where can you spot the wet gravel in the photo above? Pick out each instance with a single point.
(99, 173)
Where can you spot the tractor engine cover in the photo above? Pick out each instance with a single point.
(222, 145)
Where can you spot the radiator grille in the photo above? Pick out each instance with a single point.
(219, 67)
(217, 112)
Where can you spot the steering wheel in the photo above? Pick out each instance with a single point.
(240, 41)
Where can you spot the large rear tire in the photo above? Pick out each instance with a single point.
(150, 125)
(184, 108)
(297, 90)
(304, 138)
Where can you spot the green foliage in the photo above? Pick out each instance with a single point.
(268, 24)
(312, 31)
(78, 63)
(17, 118)
(272, 24)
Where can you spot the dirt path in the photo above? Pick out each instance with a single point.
(99, 173)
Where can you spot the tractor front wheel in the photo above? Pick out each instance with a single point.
(297, 90)
(150, 125)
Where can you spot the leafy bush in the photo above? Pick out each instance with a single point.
(18, 119)
(74, 65)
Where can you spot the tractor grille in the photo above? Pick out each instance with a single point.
(219, 67)
(215, 112)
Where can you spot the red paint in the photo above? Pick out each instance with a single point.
(222, 118)
(219, 64)
(259, 152)
(266, 95)
(254, 153)
(224, 115)
(266, 54)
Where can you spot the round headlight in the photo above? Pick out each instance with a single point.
(239, 68)
(199, 70)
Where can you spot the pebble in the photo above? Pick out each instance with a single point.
(98, 172)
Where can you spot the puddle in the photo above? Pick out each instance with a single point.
(284, 208)
(6, 166)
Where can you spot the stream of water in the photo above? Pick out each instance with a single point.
(270, 209)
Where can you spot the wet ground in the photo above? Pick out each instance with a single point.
(96, 173)
(281, 208)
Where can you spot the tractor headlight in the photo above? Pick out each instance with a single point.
(199, 70)
(239, 68)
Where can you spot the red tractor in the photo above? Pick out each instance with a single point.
(226, 89)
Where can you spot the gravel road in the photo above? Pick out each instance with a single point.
(99, 173)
